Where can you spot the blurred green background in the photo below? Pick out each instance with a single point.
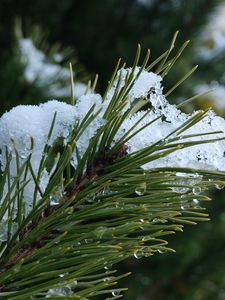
(39, 38)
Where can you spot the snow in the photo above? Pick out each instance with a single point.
(216, 96)
(213, 39)
(25, 122)
(80, 89)
(212, 46)
(65, 90)
(207, 156)
(53, 76)
(36, 66)
(145, 82)
(22, 123)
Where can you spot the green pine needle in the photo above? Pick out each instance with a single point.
(110, 210)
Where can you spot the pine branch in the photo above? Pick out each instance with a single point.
(111, 204)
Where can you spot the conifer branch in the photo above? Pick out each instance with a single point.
(116, 200)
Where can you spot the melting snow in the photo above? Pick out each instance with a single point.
(22, 123)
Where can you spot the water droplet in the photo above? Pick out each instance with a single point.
(138, 254)
(161, 251)
(105, 191)
(108, 266)
(180, 190)
(106, 279)
(64, 291)
(109, 278)
(219, 186)
(67, 291)
(146, 238)
(184, 205)
(116, 293)
(155, 220)
(62, 275)
(53, 202)
(196, 201)
(159, 220)
(56, 196)
(91, 198)
(141, 189)
(196, 190)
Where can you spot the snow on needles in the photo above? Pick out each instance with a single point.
(36, 66)
(24, 124)
(49, 75)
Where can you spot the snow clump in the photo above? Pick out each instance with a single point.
(24, 130)
(43, 73)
